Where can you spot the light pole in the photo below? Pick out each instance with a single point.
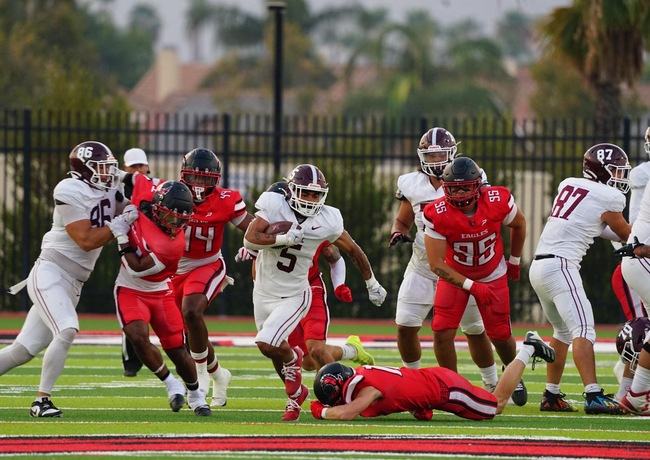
(278, 8)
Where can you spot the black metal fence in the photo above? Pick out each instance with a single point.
(361, 158)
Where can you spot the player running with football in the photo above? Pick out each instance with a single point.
(584, 208)
(281, 294)
(201, 271)
(311, 334)
(437, 148)
(372, 391)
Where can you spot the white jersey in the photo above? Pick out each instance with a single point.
(282, 272)
(639, 177)
(641, 226)
(97, 205)
(575, 217)
(416, 188)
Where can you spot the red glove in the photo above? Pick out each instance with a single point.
(483, 293)
(514, 271)
(317, 409)
(342, 292)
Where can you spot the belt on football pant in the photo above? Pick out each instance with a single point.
(546, 256)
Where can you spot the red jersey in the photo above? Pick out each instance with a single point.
(143, 188)
(204, 232)
(474, 245)
(149, 239)
(403, 389)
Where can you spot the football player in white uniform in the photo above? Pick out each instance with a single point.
(437, 148)
(85, 207)
(281, 293)
(583, 209)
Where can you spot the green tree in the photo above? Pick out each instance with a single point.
(198, 17)
(604, 41)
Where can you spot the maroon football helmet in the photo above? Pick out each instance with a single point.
(630, 340)
(607, 163)
(94, 163)
(436, 150)
(306, 178)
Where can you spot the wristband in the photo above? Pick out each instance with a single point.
(322, 414)
(122, 239)
(371, 282)
(126, 250)
(467, 284)
(514, 260)
(280, 240)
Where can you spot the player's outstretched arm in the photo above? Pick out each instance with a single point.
(347, 411)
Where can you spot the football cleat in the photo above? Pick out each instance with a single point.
(196, 401)
(292, 409)
(422, 414)
(542, 351)
(220, 381)
(44, 408)
(292, 374)
(363, 357)
(203, 411)
(638, 404)
(490, 387)
(599, 403)
(176, 402)
(552, 402)
(520, 395)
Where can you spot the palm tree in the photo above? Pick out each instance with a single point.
(198, 16)
(604, 41)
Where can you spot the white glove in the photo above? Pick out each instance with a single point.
(245, 254)
(294, 236)
(130, 213)
(120, 229)
(227, 281)
(376, 293)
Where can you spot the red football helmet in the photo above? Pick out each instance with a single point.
(201, 172)
(94, 163)
(436, 150)
(607, 163)
(306, 178)
(631, 338)
(647, 141)
(461, 181)
(329, 382)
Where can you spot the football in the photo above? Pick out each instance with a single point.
(278, 228)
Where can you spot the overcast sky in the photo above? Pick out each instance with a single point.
(485, 12)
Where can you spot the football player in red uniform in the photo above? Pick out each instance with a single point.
(150, 250)
(201, 271)
(464, 248)
(371, 391)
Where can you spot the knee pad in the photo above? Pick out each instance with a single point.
(476, 328)
(67, 335)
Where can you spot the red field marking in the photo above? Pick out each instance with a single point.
(368, 444)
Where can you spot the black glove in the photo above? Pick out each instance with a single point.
(398, 237)
(627, 250)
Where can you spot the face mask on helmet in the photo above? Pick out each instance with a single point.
(307, 190)
(201, 172)
(94, 163)
(630, 340)
(329, 383)
(171, 206)
(607, 163)
(646, 146)
(436, 150)
(461, 182)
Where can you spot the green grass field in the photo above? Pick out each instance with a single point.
(98, 400)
